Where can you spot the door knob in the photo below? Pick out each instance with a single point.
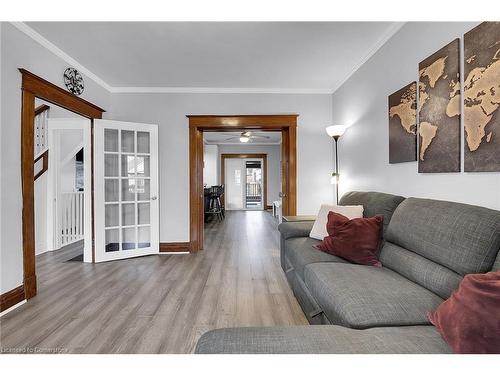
(154, 198)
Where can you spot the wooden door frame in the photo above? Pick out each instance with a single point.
(36, 87)
(223, 158)
(198, 124)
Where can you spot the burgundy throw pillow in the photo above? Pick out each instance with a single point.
(356, 240)
(469, 321)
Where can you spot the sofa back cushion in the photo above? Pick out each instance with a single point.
(435, 243)
(461, 237)
(433, 276)
(373, 203)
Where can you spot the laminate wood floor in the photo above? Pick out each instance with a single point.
(159, 303)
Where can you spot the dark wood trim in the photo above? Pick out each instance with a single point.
(223, 158)
(35, 87)
(40, 109)
(173, 247)
(11, 298)
(243, 122)
(269, 207)
(51, 93)
(45, 166)
(286, 123)
(196, 213)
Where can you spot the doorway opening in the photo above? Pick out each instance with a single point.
(244, 125)
(254, 186)
(63, 194)
(33, 88)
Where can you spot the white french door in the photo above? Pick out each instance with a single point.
(126, 209)
(234, 184)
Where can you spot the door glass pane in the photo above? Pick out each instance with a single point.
(143, 213)
(234, 183)
(111, 165)
(128, 141)
(128, 189)
(253, 184)
(143, 189)
(112, 215)
(144, 237)
(112, 240)
(128, 238)
(128, 165)
(111, 140)
(143, 166)
(128, 214)
(111, 192)
(143, 142)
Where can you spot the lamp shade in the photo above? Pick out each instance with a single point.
(336, 130)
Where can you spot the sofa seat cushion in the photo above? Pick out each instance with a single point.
(322, 340)
(300, 252)
(362, 297)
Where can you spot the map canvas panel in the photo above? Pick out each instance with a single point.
(439, 111)
(482, 98)
(403, 124)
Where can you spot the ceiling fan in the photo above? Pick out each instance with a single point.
(245, 137)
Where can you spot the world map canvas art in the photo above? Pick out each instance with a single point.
(439, 111)
(403, 124)
(482, 98)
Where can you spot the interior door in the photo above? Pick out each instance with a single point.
(235, 176)
(126, 209)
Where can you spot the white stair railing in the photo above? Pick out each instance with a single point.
(71, 218)
(41, 130)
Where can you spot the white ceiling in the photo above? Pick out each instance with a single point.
(222, 138)
(252, 55)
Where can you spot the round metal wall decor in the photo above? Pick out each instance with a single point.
(73, 81)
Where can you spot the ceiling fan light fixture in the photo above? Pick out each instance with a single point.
(244, 139)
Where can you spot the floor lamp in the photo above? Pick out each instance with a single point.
(336, 131)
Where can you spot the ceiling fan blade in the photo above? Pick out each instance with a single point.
(230, 138)
(260, 136)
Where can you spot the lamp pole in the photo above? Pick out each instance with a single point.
(336, 131)
(336, 138)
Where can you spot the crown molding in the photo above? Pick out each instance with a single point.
(21, 26)
(217, 90)
(388, 34)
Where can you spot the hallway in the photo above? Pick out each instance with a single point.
(158, 304)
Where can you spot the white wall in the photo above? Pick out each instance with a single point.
(41, 214)
(211, 165)
(18, 50)
(273, 153)
(314, 149)
(361, 103)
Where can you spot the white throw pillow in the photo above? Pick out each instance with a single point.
(318, 230)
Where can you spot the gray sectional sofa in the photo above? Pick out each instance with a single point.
(427, 248)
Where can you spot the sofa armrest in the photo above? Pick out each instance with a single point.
(324, 339)
(295, 229)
